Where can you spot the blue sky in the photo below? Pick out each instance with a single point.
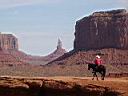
(39, 23)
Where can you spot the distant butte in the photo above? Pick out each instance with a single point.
(105, 29)
(11, 55)
(8, 42)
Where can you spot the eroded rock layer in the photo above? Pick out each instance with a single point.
(8, 42)
(102, 30)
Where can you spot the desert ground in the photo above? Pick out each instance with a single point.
(118, 84)
(62, 86)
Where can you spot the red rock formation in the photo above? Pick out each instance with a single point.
(8, 42)
(55, 54)
(102, 30)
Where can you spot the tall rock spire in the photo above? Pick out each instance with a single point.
(57, 53)
(59, 45)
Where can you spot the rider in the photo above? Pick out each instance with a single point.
(97, 61)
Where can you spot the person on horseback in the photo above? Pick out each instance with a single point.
(97, 61)
(97, 67)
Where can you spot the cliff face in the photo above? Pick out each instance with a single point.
(8, 42)
(102, 30)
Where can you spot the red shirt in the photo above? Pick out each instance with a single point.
(98, 61)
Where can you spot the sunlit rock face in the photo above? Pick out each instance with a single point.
(100, 30)
(8, 42)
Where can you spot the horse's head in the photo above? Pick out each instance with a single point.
(91, 66)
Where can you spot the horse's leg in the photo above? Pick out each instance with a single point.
(102, 76)
(94, 74)
(96, 77)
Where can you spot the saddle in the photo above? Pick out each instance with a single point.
(97, 67)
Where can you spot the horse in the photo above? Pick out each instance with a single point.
(100, 69)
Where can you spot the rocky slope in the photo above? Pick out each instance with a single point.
(105, 29)
(20, 86)
(8, 59)
(76, 63)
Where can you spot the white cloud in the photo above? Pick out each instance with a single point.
(14, 3)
